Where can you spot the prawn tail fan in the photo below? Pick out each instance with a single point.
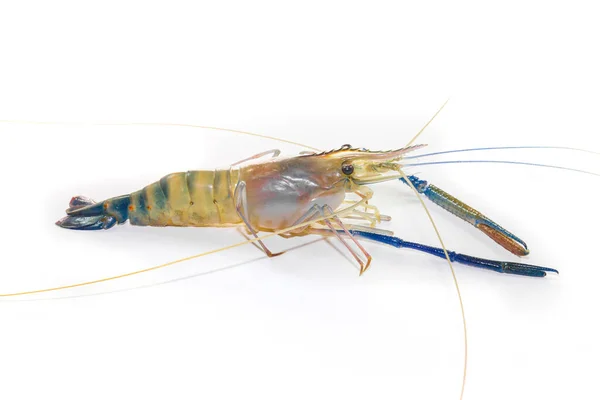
(87, 215)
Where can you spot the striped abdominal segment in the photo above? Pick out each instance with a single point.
(193, 198)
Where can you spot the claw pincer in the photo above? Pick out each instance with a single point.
(467, 213)
(506, 267)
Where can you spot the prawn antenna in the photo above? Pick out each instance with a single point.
(439, 236)
(454, 278)
(214, 128)
(428, 122)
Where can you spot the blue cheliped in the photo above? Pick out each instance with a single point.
(470, 215)
(506, 267)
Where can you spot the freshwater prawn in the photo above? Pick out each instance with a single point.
(293, 196)
(284, 192)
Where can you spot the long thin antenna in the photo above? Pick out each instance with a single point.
(460, 300)
(427, 124)
(421, 164)
(437, 153)
(158, 124)
(462, 307)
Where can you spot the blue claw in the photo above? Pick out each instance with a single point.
(505, 267)
(526, 269)
(504, 238)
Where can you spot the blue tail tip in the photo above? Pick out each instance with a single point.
(100, 222)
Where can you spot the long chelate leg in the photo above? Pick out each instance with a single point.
(467, 213)
(506, 267)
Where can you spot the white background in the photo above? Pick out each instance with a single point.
(237, 325)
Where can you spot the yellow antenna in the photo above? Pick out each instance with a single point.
(462, 307)
(157, 124)
(427, 124)
(439, 236)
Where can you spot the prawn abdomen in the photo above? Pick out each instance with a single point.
(193, 198)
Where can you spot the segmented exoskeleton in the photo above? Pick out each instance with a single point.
(283, 192)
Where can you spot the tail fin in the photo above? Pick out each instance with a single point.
(85, 214)
(80, 202)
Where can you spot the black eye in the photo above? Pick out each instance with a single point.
(347, 169)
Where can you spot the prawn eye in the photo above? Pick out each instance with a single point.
(347, 169)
